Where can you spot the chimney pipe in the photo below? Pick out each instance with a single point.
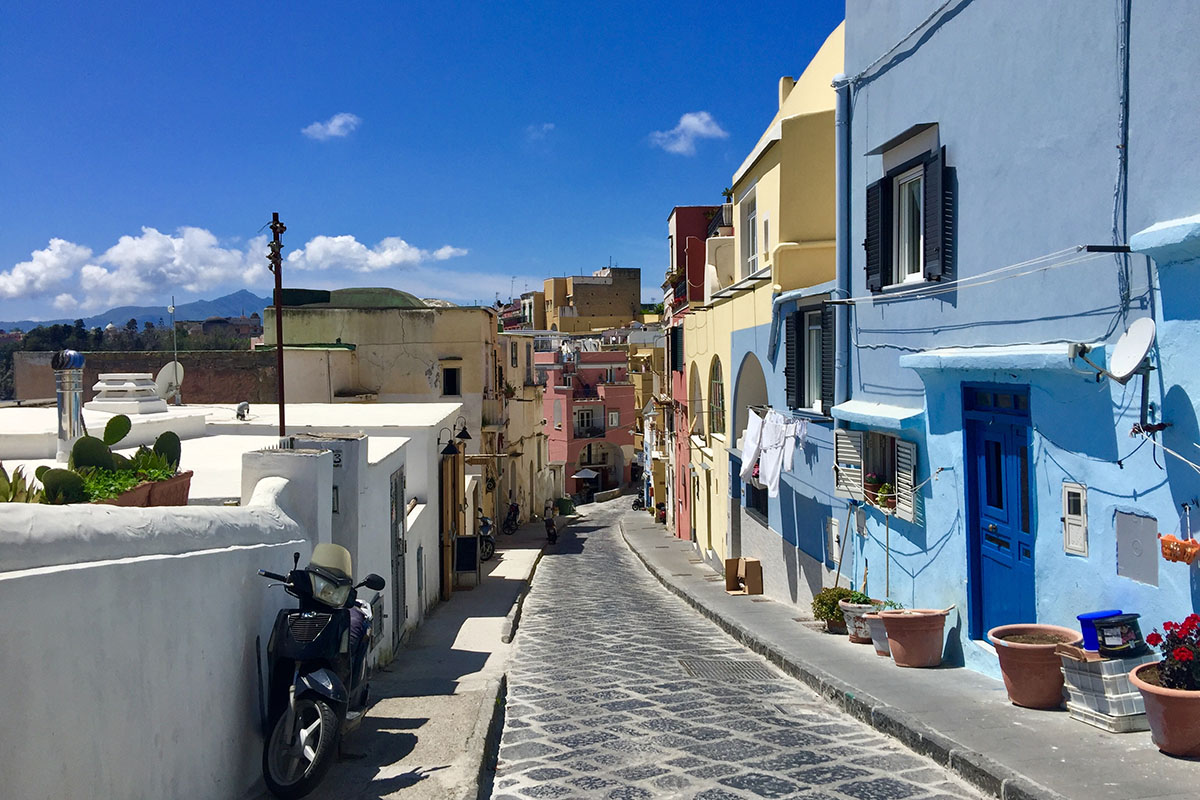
(68, 384)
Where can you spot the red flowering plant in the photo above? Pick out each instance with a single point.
(1179, 644)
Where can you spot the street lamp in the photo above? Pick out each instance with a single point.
(451, 448)
(462, 432)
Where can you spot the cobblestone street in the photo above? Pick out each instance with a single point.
(618, 689)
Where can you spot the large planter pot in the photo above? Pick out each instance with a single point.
(878, 634)
(856, 625)
(835, 625)
(915, 635)
(173, 491)
(1032, 671)
(137, 497)
(1173, 714)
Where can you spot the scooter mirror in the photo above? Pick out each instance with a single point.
(374, 582)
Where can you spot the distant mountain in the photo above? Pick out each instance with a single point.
(231, 305)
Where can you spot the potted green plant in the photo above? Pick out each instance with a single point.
(826, 609)
(1031, 669)
(1171, 687)
(885, 496)
(877, 628)
(915, 635)
(17, 489)
(854, 609)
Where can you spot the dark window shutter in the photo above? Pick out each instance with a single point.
(677, 348)
(794, 362)
(934, 209)
(878, 228)
(828, 358)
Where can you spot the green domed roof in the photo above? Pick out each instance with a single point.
(379, 297)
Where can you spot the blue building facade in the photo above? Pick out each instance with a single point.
(986, 146)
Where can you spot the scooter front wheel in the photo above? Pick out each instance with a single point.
(295, 760)
(487, 549)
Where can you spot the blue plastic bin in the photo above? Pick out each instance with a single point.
(1087, 625)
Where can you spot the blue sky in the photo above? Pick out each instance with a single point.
(144, 145)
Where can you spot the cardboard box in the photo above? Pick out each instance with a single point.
(743, 576)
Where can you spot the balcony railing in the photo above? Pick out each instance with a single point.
(494, 414)
(589, 432)
(722, 219)
(586, 391)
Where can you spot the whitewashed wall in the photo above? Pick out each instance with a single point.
(129, 640)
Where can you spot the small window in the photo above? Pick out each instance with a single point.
(908, 192)
(812, 360)
(716, 400)
(512, 346)
(614, 419)
(451, 381)
(756, 502)
(750, 245)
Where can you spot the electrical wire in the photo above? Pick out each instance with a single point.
(1167, 450)
(857, 78)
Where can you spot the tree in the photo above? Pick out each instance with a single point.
(147, 325)
(131, 325)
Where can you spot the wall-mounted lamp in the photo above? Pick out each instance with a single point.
(451, 448)
(462, 432)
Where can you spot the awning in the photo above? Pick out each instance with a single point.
(1007, 357)
(586, 474)
(878, 415)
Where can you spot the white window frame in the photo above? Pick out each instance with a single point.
(614, 419)
(811, 370)
(766, 238)
(750, 228)
(915, 271)
(1075, 527)
(579, 415)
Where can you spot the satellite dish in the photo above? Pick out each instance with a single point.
(1130, 350)
(169, 380)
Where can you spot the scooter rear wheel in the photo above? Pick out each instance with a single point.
(487, 549)
(295, 761)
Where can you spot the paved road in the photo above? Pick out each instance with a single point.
(617, 689)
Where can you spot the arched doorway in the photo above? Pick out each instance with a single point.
(749, 390)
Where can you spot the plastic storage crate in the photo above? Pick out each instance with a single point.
(1108, 678)
(1127, 724)
(1121, 705)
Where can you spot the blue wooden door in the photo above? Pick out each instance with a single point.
(1001, 534)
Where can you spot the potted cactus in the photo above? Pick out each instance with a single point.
(17, 489)
(150, 477)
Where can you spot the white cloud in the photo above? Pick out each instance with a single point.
(681, 139)
(337, 126)
(346, 252)
(46, 270)
(536, 133)
(192, 260)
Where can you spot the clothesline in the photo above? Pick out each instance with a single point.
(769, 443)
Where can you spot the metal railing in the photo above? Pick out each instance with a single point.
(722, 219)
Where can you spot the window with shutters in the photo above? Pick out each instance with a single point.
(809, 363)
(908, 225)
(876, 457)
(750, 236)
(716, 398)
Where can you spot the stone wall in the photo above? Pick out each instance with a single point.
(210, 376)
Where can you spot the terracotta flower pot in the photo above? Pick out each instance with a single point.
(915, 635)
(137, 497)
(878, 634)
(173, 491)
(835, 625)
(1173, 714)
(856, 625)
(1032, 671)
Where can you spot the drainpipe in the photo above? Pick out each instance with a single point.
(841, 386)
(68, 384)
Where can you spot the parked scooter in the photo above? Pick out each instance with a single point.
(660, 513)
(638, 502)
(317, 683)
(512, 521)
(487, 542)
(551, 530)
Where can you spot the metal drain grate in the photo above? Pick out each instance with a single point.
(760, 600)
(717, 669)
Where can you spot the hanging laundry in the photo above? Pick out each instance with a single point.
(777, 442)
(796, 438)
(750, 444)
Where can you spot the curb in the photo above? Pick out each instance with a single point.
(485, 738)
(972, 766)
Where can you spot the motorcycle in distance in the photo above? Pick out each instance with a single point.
(512, 520)
(638, 503)
(317, 683)
(551, 530)
(487, 542)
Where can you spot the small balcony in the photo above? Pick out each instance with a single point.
(722, 219)
(589, 432)
(495, 414)
(585, 391)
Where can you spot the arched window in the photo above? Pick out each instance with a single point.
(716, 398)
(696, 403)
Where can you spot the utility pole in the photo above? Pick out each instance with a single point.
(276, 260)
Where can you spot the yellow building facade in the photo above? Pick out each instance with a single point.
(776, 235)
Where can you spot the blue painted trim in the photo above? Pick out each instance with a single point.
(879, 416)
(1017, 357)
(1170, 242)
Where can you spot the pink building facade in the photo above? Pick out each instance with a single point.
(590, 415)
